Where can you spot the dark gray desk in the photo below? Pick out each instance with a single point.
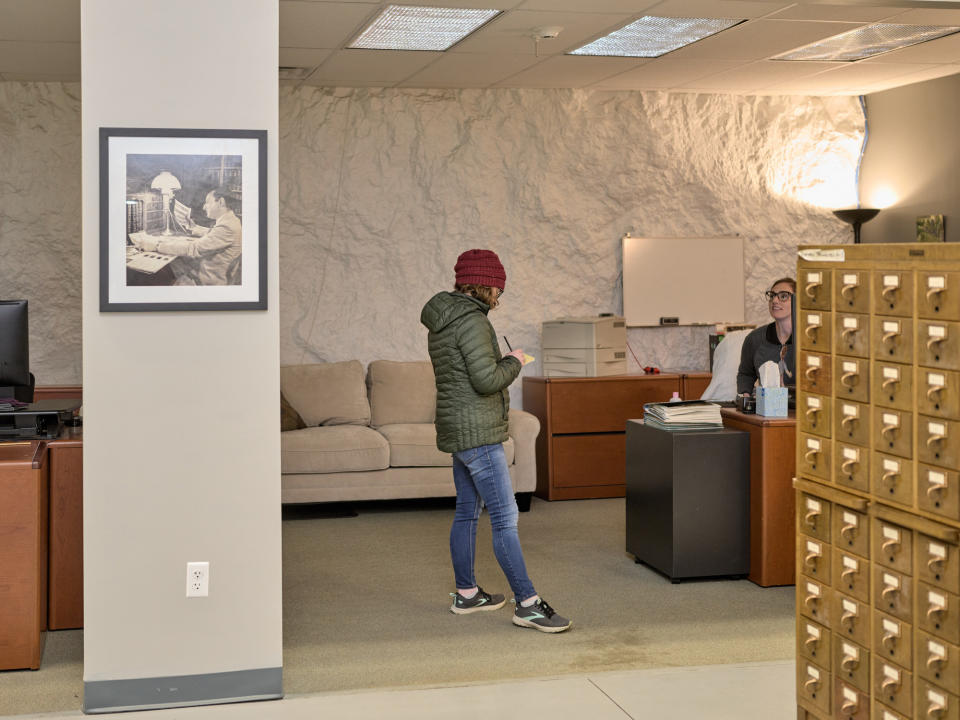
(688, 500)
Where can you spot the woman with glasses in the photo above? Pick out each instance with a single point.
(472, 405)
(773, 342)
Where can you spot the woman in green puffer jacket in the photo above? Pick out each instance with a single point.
(472, 404)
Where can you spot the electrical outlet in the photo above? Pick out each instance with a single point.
(198, 579)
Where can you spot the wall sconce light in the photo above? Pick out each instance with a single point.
(856, 217)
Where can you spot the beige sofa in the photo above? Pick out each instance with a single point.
(349, 437)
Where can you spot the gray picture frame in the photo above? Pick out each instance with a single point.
(182, 279)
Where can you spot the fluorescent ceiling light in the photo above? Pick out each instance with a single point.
(412, 27)
(653, 36)
(867, 41)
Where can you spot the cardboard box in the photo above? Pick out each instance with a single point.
(772, 402)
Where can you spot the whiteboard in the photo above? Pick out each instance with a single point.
(698, 280)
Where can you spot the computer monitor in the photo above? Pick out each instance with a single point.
(15, 378)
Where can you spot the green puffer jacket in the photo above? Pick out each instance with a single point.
(472, 377)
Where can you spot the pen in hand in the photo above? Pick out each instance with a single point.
(508, 343)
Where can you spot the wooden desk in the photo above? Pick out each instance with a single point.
(66, 530)
(772, 468)
(581, 448)
(23, 553)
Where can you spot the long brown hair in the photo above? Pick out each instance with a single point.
(487, 294)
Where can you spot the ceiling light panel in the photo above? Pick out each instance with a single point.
(653, 36)
(867, 41)
(413, 27)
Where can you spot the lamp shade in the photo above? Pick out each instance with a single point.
(165, 182)
(856, 217)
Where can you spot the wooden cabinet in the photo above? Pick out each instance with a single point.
(581, 449)
(66, 530)
(23, 553)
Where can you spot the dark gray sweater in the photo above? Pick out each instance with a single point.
(760, 346)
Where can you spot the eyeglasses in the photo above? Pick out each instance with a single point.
(782, 296)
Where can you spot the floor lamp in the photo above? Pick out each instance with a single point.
(856, 217)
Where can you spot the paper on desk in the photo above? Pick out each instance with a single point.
(769, 374)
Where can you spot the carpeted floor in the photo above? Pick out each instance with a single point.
(365, 606)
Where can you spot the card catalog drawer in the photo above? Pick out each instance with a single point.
(852, 290)
(852, 334)
(851, 574)
(938, 295)
(816, 328)
(938, 661)
(892, 546)
(892, 592)
(852, 466)
(893, 385)
(893, 685)
(851, 663)
(938, 392)
(938, 441)
(813, 517)
(852, 378)
(815, 372)
(851, 422)
(891, 478)
(935, 702)
(937, 563)
(882, 712)
(938, 490)
(851, 703)
(814, 685)
(893, 639)
(813, 642)
(815, 416)
(851, 618)
(813, 558)
(814, 455)
(851, 531)
(815, 289)
(938, 344)
(892, 338)
(814, 600)
(893, 292)
(937, 612)
(893, 431)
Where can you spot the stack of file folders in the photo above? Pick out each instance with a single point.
(688, 415)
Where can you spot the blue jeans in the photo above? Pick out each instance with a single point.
(482, 478)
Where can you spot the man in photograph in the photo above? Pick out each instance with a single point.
(214, 256)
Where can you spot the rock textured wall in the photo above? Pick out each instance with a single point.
(380, 190)
(40, 220)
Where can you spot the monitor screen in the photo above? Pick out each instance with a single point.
(14, 344)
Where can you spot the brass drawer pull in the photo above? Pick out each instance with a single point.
(849, 663)
(888, 591)
(934, 341)
(811, 642)
(846, 292)
(935, 612)
(935, 711)
(847, 618)
(846, 376)
(891, 546)
(811, 560)
(808, 455)
(811, 600)
(845, 467)
(935, 489)
(847, 419)
(812, 685)
(810, 520)
(887, 337)
(889, 642)
(847, 532)
(935, 662)
(887, 481)
(849, 708)
(808, 328)
(935, 564)
(933, 390)
(935, 439)
(847, 332)
(934, 291)
(890, 381)
(890, 686)
(889, 430)
(811, 371)
(845, 575)
(810, 290)
(812, 411)
(888, 292)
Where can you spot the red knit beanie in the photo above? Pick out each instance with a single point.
(480, 267)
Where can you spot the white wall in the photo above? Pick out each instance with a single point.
(181, 449)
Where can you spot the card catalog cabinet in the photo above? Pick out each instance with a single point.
(878, 486)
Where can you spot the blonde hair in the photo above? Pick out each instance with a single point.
(484, 293)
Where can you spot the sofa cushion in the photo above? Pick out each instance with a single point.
(401, 392)
(289, 418)
(333, 448)
(327, 393)
(415, 445)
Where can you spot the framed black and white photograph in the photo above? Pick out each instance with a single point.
(183, 219)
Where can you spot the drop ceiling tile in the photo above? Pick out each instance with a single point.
(760, 39)
(47, 21)
(469, 70)
(836, 13)
(512, 32)
(664, 73)
(920, 76)
(322, 25)
(927, 16)
(497, 4)
(302, 57)
(40, 58)
(853, 79)
(941, 50)
(628, 7)
(715, 8)
(565, 71)
(348, 67)
(758, 76)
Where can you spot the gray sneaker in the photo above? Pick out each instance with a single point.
(479, 602)
(540, 616)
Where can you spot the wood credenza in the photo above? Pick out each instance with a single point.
(581, 448)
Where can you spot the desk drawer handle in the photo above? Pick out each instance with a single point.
(812, 685)
(845, 467)
(849, 708)
(891, 546)
(935, 490)
(810, 290)
(808, 328)
(812, 411)
(847, 419)
(811, 518)
(808, 454)
(811, 560)
(935, 565)
(811, 371)
(934, 341)
(934, 390)
(890, 686)
(811, 600)
(887, 337)
(889, 430)
(935, 612)
(934, 291)
(846, 377)
(848, 532)
(888, 591)
(889, 642)
(890, 381)
(845, 575)
(847, 619)
(935, 662)
(846, 292)
(849, 663)
(811, 642)
(935, 439)
(887, 481)
(888, 292)
(847, 332)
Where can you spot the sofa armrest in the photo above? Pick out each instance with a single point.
(524, 428)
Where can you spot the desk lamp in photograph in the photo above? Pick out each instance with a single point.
(856, 217)
(166, 183)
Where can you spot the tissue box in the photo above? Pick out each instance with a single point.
(772, 402)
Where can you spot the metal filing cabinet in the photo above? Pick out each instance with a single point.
(878, 487)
